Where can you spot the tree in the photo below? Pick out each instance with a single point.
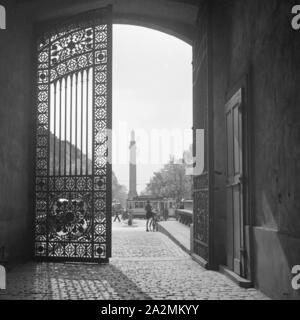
(171, 182)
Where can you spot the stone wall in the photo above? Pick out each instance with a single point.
(15, 136)
(259, 43)
(220, 50)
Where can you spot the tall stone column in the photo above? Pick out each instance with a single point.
(132, 168)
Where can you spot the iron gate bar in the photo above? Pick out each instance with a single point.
(48, 165)
(59, 142)
(60, 121)
(54, 136)
(65, 151)
(109, 127)
(76, 121)
(93, 135)
(71, 121)
(81, 120)
(87, 122)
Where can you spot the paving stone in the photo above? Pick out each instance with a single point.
(144, 266)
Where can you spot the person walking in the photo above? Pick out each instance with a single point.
(116, 211)
(117, 216)
(149, 214)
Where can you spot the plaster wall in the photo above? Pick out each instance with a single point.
(15, 136)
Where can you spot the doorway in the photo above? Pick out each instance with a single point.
(236, 184)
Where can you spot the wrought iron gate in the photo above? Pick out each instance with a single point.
(73, 167)
(202, 195)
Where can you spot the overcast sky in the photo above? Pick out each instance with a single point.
(152, 89)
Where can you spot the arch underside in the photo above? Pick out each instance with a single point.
(174, 17)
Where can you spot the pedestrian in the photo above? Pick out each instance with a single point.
(116, 210)
(166, 214)
(149, 214)
(117, 216)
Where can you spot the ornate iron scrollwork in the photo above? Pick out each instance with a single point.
(201, 216)
(73, 176)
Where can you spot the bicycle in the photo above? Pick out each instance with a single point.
(153, 226)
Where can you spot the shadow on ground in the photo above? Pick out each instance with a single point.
(70, 281)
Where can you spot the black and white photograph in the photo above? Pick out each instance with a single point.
(149, 151)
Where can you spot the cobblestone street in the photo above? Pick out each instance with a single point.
(144, 266)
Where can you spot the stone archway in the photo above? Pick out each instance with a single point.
(175, 17)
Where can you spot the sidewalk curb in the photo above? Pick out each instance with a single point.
(162, 230)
